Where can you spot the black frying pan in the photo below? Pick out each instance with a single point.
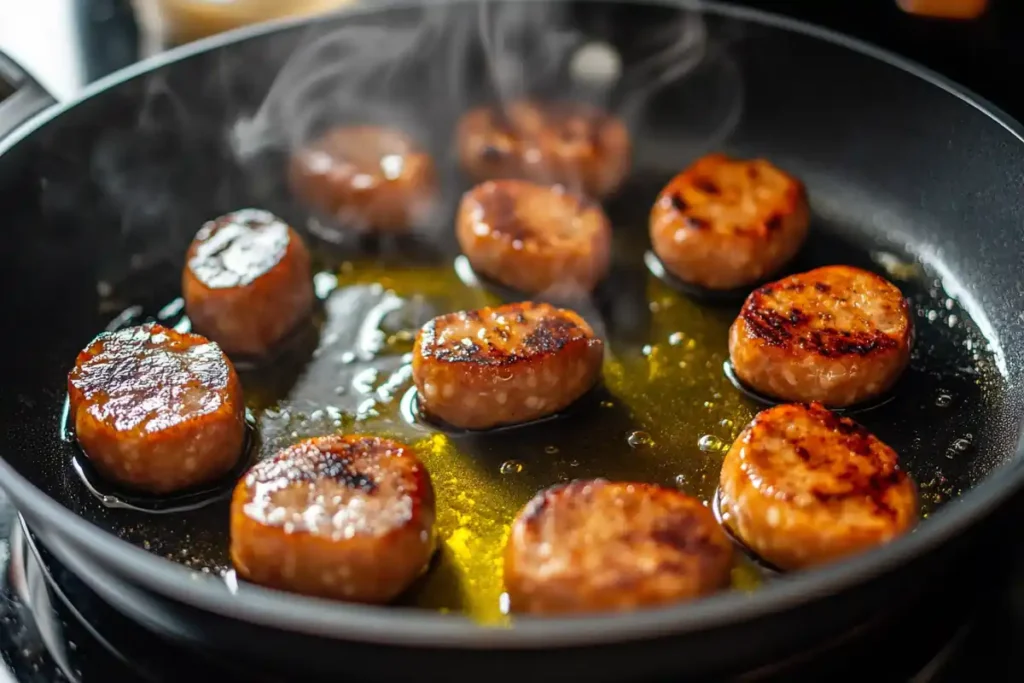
(907, 175)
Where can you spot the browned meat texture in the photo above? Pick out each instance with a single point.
(724, 223)
(368, 178)
(157, 410)
(571, 144)
(345, 517)
(802, 486)
(504, 365)
(838, 335)
(247, 281)
(591, 546)
(534, 238)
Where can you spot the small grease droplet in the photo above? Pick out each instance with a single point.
(727, 423)
(647, 350)
(680, 480)
(943, 400)
(574, 463)
(551, 450)
(675, 339)
(709, 443)
(640, 440)
(607, 404)
(511, 467)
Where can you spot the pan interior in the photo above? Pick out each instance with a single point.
(666, 411)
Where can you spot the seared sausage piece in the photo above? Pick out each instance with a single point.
(247, 281)
(838, 335)
(802, 486)
(591, 546)
(370, 179)
(534, 238)
(725, 223)
(157, 410)
(570, 144)
(345, 517)
(504, 365)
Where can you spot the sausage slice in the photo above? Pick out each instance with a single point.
(247, 281)
(369, 178)
(157, 410)
(596, 545)
(725, 223)
(534, 238)
(566, 143)
(802, 486)
(838, 335)
(344, 517)
(504, 365)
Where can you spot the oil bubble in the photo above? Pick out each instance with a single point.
(551, 450)
(727, 423)
(675, 339)
(943, 400)
(640, 440)
(680, 480)
(959, 446)
(709, 443)
(574, 463)
(511, 467)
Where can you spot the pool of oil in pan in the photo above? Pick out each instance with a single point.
(666, 413)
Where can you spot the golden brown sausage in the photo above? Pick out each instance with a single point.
(571, 144)
(247, 281)
(724, 223)
(838, 335)
(157, 410)
(504, 365)
(595, 545)
(344, 517)
(534, 238)
(802, 486)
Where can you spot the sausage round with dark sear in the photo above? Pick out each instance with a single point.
(534, 238)
(247, 281)
(368, 178)
(504, 365)
(838, 335)
(590, 546)
(802, 486)
(571, 144)
(725, 223)
(344, 517)
(156, 409)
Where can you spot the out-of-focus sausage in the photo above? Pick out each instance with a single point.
(534, 238)
(838, 335)
(344, 517)
(157, 410)
(247, 281)
(725, 223)
(595, 545)
(504, 365)
(368, 178)
(802, 486)
(570, 144)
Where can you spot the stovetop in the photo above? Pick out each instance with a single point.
(53, 628)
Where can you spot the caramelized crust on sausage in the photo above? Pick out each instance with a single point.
(345, 517)
(247, 281)
(504, 365)
(802, 486)
(571, 144)
(724, 223)
(369, 178)
(595, 545)
(837, 335)
(157, 410)
(534, 238)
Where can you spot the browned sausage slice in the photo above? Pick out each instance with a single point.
(838, 335)
(344, 517)
(247, 281)
(802, 486)
(369, 178)
(156, 409)
(595, 545)
(534, 238)
(725, 223)
(504, 365)
(566, 143)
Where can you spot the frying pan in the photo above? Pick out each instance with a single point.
(908, 174)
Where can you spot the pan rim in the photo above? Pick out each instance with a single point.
(414, 627)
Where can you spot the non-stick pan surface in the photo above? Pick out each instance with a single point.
(907, 175)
